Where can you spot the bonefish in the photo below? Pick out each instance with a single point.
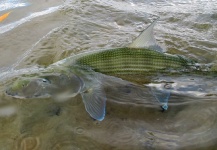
(79, 74)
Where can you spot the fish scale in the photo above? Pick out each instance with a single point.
(132, 61)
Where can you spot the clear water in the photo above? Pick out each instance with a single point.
(39, 33)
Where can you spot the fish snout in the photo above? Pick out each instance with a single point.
(9, 92)
(13, 94)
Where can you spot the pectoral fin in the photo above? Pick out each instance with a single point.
(162, 96)
(146, 39)
(95, 101)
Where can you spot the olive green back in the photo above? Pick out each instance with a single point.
(125, 61)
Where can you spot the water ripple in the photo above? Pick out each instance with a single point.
(13, 25)
(10, 4)
(133, 119)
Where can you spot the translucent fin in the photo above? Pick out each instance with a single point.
(95, 101)
(146, 39)
(162, 96)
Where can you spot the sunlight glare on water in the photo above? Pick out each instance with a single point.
(10, 4)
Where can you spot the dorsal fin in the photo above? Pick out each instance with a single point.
(146, 39)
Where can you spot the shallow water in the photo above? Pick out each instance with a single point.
(36, 35)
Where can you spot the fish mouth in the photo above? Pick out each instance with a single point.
(15, 95)
(10, 93)
(40, 96)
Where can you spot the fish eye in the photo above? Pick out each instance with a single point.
(45, 80)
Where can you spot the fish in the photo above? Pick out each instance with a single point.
(141, 62)
(4, 16)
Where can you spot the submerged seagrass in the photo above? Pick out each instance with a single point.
(81, 74)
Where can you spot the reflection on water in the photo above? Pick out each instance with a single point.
(10, 4)
(134, 119)
(13, 25)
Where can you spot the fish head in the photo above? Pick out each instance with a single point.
(45, 86)
(30, 88)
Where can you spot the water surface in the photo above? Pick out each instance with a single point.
(39, 33)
